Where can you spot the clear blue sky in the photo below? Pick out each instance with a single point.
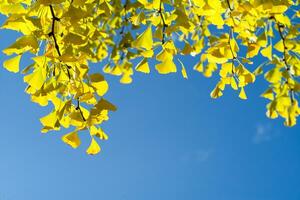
(168, 140)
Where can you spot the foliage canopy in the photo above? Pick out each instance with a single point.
(63, 37)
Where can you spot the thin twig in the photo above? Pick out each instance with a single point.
(164, 23)
(287, 67)
(228, 3)
(284, 46)
(80, 111)
(52, 33)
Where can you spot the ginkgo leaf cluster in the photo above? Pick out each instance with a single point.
(124, 37)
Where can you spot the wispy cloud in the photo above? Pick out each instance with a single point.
(200, 155)
(264, 133)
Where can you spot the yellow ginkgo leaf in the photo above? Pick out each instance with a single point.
(50, 122)
(294, 110)
(242, 94)
(24, 43)
(209, 69)
(143, 66)
(94, 148)
(216, 93)
(252, 50)
(274, 75)
(166, 67)
(262, 39)
(126, 79)
(13, 8)
(233, 84)
(13, 64)
(98, 132)
(226, 69)
(98, 82)
(102, 135)
(199, 67)
(283, 19)
(270, 32)
(278, 9)
(72, 139)
(105, 105)
(93, 130)
(37, 78)
(144, 40)
(267, 52)
(41, 100)
(217, 20)
(164, 55)
(116, 70)
(279, 46)
(187, 50)
(147, 54)
(183, 71)
(268, 94)
(258, 70)
(216, 57)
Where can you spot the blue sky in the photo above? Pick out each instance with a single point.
(168, 140)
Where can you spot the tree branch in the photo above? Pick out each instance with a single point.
(231, 36)
(229, 6)
(52, 33)
(80, 111)
(164, 23)
(287, 67)
(284, 46)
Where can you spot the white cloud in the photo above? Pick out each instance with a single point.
(200, 155)
(264, 133)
